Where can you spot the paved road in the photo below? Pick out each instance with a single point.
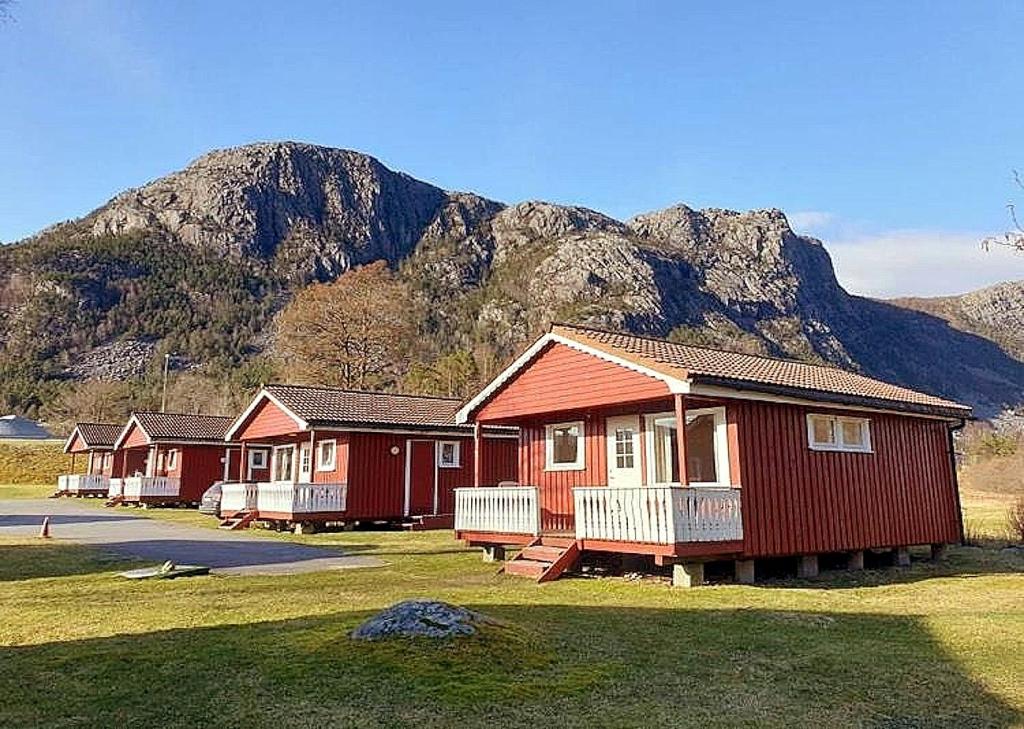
(114, 530)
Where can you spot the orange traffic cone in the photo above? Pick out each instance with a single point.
(44, 531)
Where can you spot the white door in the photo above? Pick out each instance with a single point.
(305, 463)
(623, 437)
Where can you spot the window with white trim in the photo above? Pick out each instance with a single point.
(327, 455)
(284, 463)
(172, 459)
(564, 447)
(257, 460)
(448, 454)
(838, 433)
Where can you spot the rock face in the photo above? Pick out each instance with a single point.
(421, 619)
(486, 272)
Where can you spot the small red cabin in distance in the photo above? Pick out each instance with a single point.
(316, 454)
(173, 457)
(96, 442)
(637, 445)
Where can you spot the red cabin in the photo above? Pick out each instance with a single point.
(317, 454)
(642, 446)
(96, 442)
(172, 458)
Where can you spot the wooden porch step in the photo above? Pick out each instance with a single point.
(115, 501)
(241, 520)
(544, 559)
(542, 553)
(526, 568)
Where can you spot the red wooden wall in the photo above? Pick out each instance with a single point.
(560, 378)
(135, 437)
(198, 466)
(499, 463)
(266, 420)
(799, 501)
(376, 477)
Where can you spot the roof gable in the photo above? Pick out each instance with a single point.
(92, 436)
(148, 427)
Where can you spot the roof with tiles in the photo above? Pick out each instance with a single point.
(332, 405)
(98, 435)
(183, 426)
(764, 374)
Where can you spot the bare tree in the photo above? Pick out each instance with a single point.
(1013, 238)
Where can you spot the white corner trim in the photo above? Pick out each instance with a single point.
(260, 396)
(675, 385)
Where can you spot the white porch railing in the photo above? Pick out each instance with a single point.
(138, 487)
(115, 488)
(235, 497)
(77, 482)
(498, 509)
(301, 498)
(658, 514)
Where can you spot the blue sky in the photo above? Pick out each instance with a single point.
(888, 129)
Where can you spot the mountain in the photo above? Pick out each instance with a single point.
(201, 260)
(995, 312)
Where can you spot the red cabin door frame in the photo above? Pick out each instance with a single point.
(420, 477)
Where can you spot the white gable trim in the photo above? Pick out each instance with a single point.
(124, 432)
(674, 384)
(262, 395)
(71, 439)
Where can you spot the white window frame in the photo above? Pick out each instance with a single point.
(172, 460)
(837, 428)
(292, 478)
(264, 460)
(456, 452)
(581, 447)
(333, 464)
(722, 464)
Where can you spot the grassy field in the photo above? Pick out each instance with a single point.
(933, 645)
(35, 462)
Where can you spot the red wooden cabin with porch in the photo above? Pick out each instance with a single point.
(94, 442)
(642, 446)
(319, 454)
(172, 458)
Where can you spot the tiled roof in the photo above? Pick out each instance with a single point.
(183, 426)
(332, 405)
(99, 435)
(766, 374)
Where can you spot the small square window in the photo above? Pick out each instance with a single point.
(257, 460)
(565, 447)
(448, 454)
(328, 456)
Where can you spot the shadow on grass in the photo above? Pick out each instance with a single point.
(54, 559)
(562, 665)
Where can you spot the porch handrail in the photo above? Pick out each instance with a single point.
(139, 486)
(658, 514)
(498, 509)
(235, 497)
(301, 498)
(81, 482)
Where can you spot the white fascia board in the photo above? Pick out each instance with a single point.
(738, 394)
(675, 385)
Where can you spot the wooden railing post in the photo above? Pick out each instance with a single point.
(477, 456)
(681, 437)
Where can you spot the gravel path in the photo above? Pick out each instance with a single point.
(114, 530)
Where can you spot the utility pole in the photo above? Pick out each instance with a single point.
(163, 398)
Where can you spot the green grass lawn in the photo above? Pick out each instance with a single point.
(933, 645)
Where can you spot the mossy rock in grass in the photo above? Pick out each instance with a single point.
(421, 619)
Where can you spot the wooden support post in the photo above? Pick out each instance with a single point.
(72, 462)
(745, 574)
(494, 553)
(855, 561)
(312, 456)
(681, 438)
(939, 552)
(688, 574)
(243, 475)
(808, 566)
(901, 556)
(478, 468)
